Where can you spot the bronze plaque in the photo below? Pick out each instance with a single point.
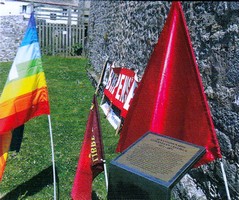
(159, 156)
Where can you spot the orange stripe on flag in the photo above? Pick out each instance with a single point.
(5, 141)
(23, 102)
(23, 86)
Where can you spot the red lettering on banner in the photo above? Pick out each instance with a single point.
(114, 83)
(110, 79)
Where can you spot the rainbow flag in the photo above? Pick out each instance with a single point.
(25, 93)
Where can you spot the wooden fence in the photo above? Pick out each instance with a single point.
(61, 39)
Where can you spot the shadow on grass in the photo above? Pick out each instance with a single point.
(94, 196)
(32, 186)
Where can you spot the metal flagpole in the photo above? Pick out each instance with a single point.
(53, 159)
(106, 176)
(225, 180)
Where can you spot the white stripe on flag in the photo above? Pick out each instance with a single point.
(24, 54)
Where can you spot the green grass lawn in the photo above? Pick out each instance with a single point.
(28, 174)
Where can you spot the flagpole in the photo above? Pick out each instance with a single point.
(101, 76)
(102, 99)
(106, 176)
(53, 159)
(225, 180)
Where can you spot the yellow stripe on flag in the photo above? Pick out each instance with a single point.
(23, 102)
(5, 141)
(23, 86)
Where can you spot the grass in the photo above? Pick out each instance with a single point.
(28, 174)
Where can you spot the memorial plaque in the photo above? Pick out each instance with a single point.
(157, 160)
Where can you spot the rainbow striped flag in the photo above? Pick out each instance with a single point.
(25, 93)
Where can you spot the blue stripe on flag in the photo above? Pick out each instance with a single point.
(31, 32)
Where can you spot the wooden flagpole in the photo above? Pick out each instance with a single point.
(101, 76)
(53, 159)
(102, 99)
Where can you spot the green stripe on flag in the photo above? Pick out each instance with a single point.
(28, 68)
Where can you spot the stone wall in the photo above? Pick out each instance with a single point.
(127, 31)
(12, 29)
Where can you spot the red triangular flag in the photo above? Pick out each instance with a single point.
(90, 162)
(170, 99)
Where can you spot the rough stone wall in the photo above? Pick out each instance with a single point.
(127, 31)
(12, 29)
